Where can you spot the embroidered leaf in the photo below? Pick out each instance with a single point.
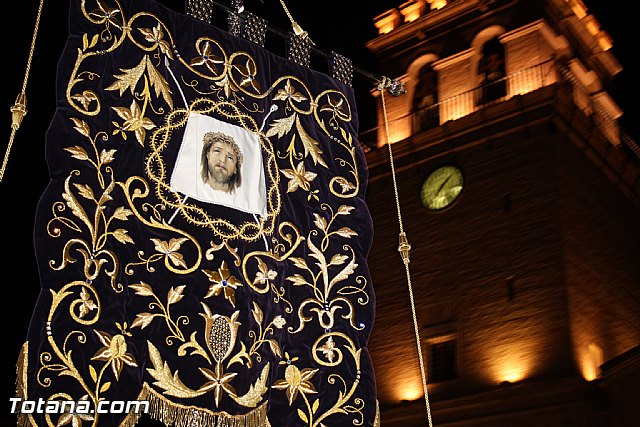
(344, 134)
(105, 386)
(346, 272)
(122, 236)
(107, 156)
(240, 357)
(143, 320)
(175, 294)
(345, 210)
(104, 338)
(257, 313)
(147, 33)
(275, 348)
(280, 127)
(85, 98)
(76, 208)
(177, 259)
(85, 41)
(320, 222)
(77, 153)
(299, 262)
(297, 280)
(159, 83)
(197, 348)
(122, 213)
(142, 289)
(207, 310)
(345, 185)
(168, 247)
(315, 406)
(123, 112)
(106, 194)
(311, 146)
(92, 372)
(129, 79)
(81, 126)
(85, 191)
(346, 232)
(302, 416)
(255, 392)
(317, 254)
(338, 259)
(171, 383)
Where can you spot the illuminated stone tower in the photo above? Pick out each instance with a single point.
(520, 197)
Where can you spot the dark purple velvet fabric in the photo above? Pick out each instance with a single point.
(129, 302)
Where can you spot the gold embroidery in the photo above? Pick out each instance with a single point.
(259, 339)
(95, 226)
(144, 319)
(256, 391)
(300, 381)
(222, 282)
(193, 213)
(328, 296)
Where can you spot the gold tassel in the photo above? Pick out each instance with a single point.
(19, 109)
(297, 29)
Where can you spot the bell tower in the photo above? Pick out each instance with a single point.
(519, 193)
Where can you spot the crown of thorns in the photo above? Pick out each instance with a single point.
(211, 137)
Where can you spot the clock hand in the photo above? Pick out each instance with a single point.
(442, 185)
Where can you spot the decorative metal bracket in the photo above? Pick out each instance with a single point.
(394, 86)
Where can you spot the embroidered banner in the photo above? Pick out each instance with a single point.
(203, 241)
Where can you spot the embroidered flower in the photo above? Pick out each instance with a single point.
(76, 418)
(289, 94)
(219, 382)
(220, 333)
(329, 349)
(114, 352)
(106, 14)
(156, 35)
(134, 121)
(335, 108)
(298, 177)
(223, 282)
(248, 73)
(170, 250)
(87, 303)
(279, 321)
(207, 59)
(265, 274)
(296, 381)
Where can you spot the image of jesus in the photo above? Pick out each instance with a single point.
(221, 162)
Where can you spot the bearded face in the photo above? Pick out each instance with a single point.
(222, 165)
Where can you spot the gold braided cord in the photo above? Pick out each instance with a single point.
(19, 109)
(404, 249)
(298, 31)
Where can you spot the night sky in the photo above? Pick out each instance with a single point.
(329, 26)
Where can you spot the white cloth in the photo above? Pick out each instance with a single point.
(250, 196)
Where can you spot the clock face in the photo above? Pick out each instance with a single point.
(441, 188)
